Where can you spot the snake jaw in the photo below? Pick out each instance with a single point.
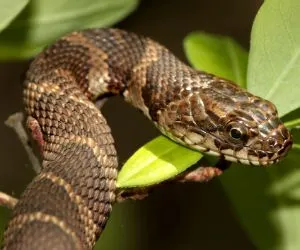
(263, 149)
(264, 145)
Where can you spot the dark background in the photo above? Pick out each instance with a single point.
(192, 216)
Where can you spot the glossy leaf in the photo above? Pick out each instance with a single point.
(292, 119)
(267, 200)
(156, 161)
(9, 10)
(272, 207)
(220, 55)
(43, 21)
(274, 63)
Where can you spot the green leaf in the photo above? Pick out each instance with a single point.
(9, 10)
(43, 21)
(219, 55)
(267, 200)
(156, 161)
(274, 62)
(292, 119)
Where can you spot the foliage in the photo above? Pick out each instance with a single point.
(266, 200)
(43, 21)
(27, 26)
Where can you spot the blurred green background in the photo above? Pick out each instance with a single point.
(192, 216)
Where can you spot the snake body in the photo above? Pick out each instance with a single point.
(67, 205)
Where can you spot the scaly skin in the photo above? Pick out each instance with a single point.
(67, 205)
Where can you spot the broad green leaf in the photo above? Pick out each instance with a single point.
(267, 200)
(156, 161)
(216, 54)
(274, 62)
(9, 10)
(292, 119)
(43, 21)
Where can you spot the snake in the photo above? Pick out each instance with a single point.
(67, 205)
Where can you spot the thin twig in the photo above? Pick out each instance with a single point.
(7, 200)
(15, 121)
(99, 103)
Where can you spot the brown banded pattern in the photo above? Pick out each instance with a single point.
(67, 205)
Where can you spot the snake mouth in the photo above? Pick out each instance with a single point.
(258, 157)
(249, 156)
(246, 155)
(244, 160)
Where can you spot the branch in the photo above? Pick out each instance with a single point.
(200, 174)
(15, 121)
(7, 200)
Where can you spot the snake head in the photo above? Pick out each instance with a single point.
(225, 120)
(252, 133)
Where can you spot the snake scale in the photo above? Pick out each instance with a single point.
(67, 205)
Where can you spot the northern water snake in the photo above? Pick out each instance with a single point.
(67, 205)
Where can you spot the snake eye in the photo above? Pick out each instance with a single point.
(236, 133)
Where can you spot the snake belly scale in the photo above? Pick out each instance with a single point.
(67, 205)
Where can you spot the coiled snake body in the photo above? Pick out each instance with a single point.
(67, 205)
